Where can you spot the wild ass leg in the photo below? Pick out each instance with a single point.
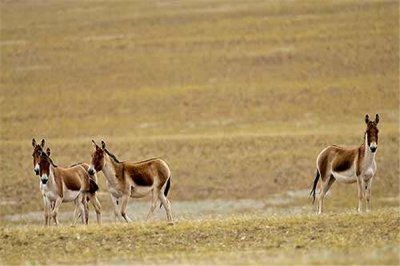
(368, 194)
(167, 206)
(55, 218)
(325, 187)
(80, 211)
(46, 210)
(360, 185)
(84, 201)
(54, 212)
(153, 206)
(97, 207)
(116, 202)
(76, 212)
(124, 206)
(83, 207)
(49, 207)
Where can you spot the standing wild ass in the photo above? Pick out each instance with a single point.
(133, 179)
(37, 150)
(65, 185)
(348, 166)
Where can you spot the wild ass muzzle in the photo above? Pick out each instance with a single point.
(67, 184)
(349, 165)
(133, 179)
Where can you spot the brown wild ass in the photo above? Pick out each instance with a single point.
(349, 165)
(65, 185)
(37, 150)
(133, 179)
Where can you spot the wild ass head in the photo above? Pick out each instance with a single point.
(98, 158)
(37, 149)
(44, 166)
(98, 161)
(371, 133)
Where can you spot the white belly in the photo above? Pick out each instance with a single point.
(51, 195)
(114, 191)
(70, 195)
(348, 176)
(139, 191)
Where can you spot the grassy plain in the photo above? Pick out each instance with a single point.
(238, 96)
(345, 238)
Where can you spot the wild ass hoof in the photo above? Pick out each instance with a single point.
(171, 223)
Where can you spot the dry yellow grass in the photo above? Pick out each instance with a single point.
(119, 69)
(244, 239)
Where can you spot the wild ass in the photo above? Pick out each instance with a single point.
(349, 165)
(133, 179)
(65, 185)
(37, 150)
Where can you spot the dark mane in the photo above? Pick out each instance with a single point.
(50, 160)
(143, 161)
(112, 156)
(75, 164)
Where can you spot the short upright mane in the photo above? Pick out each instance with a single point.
(112, 156)
(51, 161)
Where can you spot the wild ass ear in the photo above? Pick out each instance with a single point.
(48, 152)
(95, 145)
(103, 145)
(34, 143)
(42, 143)
(366, 119)
(377, 119)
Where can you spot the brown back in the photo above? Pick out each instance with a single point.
(344, 160)
(73, 177)
(143, 173)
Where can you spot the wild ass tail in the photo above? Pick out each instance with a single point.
(312, 193)
(166, 190)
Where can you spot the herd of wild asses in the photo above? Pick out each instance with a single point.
(78, 183)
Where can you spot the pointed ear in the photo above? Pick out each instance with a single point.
(95, 145)
(34, 143)
(42, 143)
(366, 119)
(48, 152)
(103, 145)
(377, 119)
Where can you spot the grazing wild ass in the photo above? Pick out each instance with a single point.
(65, 185)
(133, 179)
(348, 166)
